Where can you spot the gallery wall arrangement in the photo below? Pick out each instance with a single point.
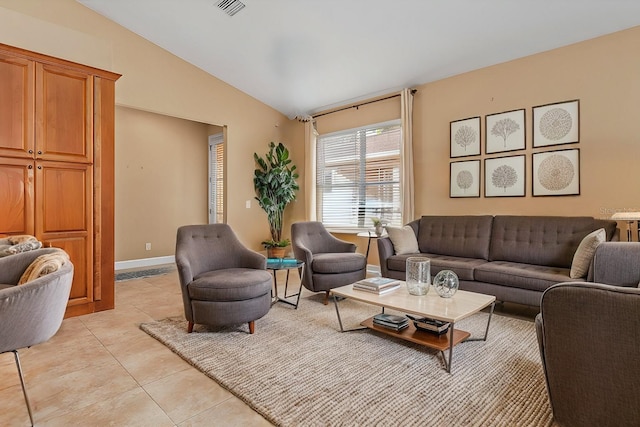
(555, 172)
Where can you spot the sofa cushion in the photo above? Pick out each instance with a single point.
(542, 240)
(584, 254)
(518, 275)
(403, 239)
(459, 236)
(335, 262)
(463, 267)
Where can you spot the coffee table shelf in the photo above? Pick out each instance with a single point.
(410, 333)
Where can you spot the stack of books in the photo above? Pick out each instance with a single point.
(430, 325)
(377, 285)
(391, 321)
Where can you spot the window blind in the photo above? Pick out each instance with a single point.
(358, 176)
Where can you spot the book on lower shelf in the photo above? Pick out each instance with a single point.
(391, 321)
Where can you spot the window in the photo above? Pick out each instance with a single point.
(216, 178)
(358, 176)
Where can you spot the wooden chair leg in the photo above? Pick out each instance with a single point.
(190, 327)
(252, 326)
(326, 298)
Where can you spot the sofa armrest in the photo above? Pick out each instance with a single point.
(617, 263)
(385, 250)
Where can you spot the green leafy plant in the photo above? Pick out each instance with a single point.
(275, 183)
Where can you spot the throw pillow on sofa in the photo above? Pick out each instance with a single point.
(584, 254)
(403, 239)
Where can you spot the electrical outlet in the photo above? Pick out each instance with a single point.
(147, 246)
(247, 204)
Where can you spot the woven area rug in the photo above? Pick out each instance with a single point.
(299, 370)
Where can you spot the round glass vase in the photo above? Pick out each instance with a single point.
(418, 276)
(446, 283)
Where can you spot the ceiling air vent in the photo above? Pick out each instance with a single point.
(230, 7)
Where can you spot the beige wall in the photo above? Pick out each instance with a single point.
(603, 73)
(156, 81)
(161, 168)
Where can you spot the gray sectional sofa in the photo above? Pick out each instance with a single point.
(514, 258)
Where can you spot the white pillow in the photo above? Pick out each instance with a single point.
(403, 239)
(584, 254)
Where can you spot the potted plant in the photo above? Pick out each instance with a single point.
(378, 224)
(275, 183)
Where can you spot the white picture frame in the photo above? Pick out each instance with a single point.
(505, 131)
(464, 179)
(464, 137)
(556, 124)
(505, 176)
(556, 173)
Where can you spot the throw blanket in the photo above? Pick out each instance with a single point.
(43, 265)
(15, 244)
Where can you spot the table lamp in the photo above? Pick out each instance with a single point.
(629, 217)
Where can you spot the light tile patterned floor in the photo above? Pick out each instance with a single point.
(101, 369)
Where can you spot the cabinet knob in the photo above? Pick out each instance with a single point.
(30, 151)
(39, 167)
(30, 167)
(39, 152)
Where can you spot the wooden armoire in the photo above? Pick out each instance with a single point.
(57, 165)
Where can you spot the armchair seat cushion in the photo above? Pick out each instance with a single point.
(231, 284)
(330, 263)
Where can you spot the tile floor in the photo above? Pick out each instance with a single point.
(101, 369)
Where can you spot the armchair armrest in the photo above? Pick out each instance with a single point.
(617, 263)
(302, 253)
(385, 250)
(339, 245)
(251, 259)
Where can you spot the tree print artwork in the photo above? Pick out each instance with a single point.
(465, 136)
(503, 128)
(556, 172)
(464, 180)
(555, 124)
(504, 176)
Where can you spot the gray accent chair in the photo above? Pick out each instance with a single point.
(329, 261)
(31, 313)
(588, 335)
(222, 281)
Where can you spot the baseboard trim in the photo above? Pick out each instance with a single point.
(144, 262)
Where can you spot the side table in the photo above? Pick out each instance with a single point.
(371, 235)
(276, 264)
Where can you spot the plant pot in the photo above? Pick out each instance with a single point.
(276, 252)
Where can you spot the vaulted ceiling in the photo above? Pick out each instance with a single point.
(303, 56)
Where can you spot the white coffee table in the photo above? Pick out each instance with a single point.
(462, 305)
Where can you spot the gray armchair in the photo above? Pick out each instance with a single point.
(329, 261)
(222, 282)
(31, 313)
(588, 334)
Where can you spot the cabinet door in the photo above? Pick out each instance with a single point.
(64, 212)
(16, 107)
(64, 114)
(16, 196)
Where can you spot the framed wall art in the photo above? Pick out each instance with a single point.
(555, 124)
(556, 173)
(464, 179)
(504, 176)
(504, 131)
(464, 137)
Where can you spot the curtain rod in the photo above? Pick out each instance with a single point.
(413, 91)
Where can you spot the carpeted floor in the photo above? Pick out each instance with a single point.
(298, 369)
